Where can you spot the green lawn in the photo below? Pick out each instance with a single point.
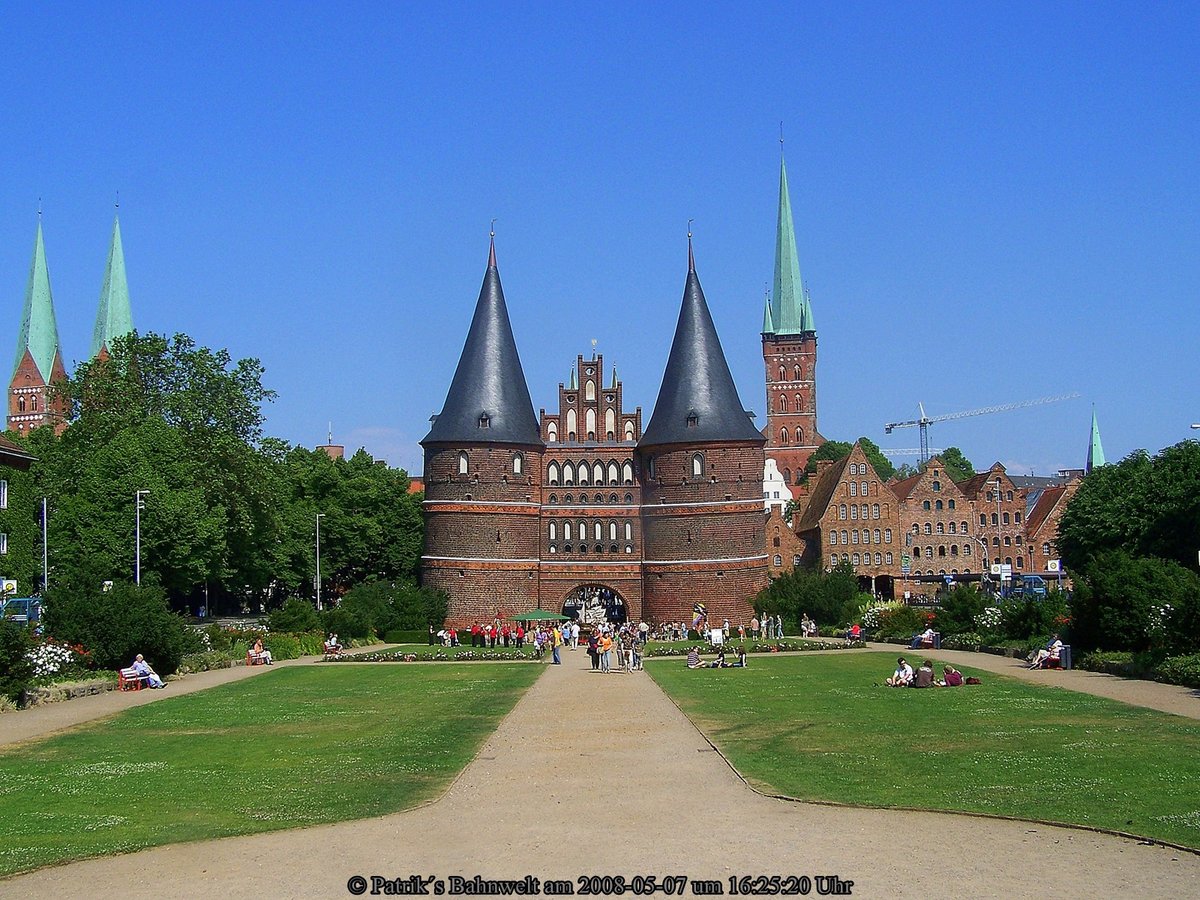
(818, 728)
(287, 748)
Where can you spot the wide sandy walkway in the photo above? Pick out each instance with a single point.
(603, 775)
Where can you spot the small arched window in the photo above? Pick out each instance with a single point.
(783, 403)
(842, 511)
(552, 473)
(582, 473)
(628, 531)
(568, 473)
(799, 403)
(778, 560)
(797, 372)
(518, 463)
(553, 531)
(33, 403)
(614, 475)
(782, 374)
(937, 486)
(589, 390)
(629, 431)
(552, 432)
(928, 528)
(21, 403)
(783, 437)
(787, 475)
(598, 474)
(464, 462)
(937, 505)
(925, 505)
(697, 464)
(627, 472)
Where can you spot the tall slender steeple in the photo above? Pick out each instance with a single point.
(39, 358)
(768, 318)
(790, 308)
(1095, 455)
(489, 398)
(114, 318)
(39, 328)
(698, 401)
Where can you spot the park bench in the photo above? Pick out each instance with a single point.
(919, 643)
(129, 680)
(1063, 661)
(255, 659)
(332, 652)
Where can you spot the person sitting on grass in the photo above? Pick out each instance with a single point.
(693, 659)
(951, 677)
(143, 670)
(719, 662)
(924, 676)
(903, 675)
(741, 658)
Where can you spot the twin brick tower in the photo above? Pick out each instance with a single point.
(582, 505)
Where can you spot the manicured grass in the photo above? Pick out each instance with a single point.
(284, 749)
(819, 728)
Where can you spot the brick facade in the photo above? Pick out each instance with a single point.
(1041, 527)
(999, 517)
(30, 400)
(790, 363)
(936, 519)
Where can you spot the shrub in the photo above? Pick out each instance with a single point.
(900, 623)
(1115, 597)
(829, 598)
(968, 640)
(403, 636)
(1034, 618)
(295, 615)
(958, 609)
(1184, 670)
(1110, 662)
(119, 624)
(204, 662)
(346, 623)
(16, 671)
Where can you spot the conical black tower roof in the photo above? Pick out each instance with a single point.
(697, 402)
(488, 400)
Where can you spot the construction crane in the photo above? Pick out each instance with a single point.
(909, 451)
(925, 421)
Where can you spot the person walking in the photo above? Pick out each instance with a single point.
(555, 645)
(593, 649)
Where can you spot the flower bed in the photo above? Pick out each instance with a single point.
(443, 654)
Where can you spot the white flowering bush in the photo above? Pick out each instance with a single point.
(988, 620)
(874, 615)
(53, 659)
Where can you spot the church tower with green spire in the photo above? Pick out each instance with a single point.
(789, 338)
(1095, 457)
(114, 318)
(38, 361)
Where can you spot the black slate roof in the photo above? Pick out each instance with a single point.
(489, 383)
(697, 385)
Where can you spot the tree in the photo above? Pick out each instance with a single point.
(1143, 505)
(829, 598)
(956, 464)
(957, 610)
(835, 450)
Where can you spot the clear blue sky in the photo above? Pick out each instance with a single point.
(993, 202)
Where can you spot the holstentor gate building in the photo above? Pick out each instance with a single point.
(526, 511)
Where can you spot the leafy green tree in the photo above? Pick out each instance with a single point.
(956, 464)
(296, 616)
(830, 598)
(1146, 506)
(883, 465)
(835, 450)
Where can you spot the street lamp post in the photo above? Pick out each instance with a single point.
(45, 551)
(320, 516)
(137, 565)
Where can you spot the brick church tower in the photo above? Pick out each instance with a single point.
(483, 465)
(39, 360)
(701, 461)
(790, 354)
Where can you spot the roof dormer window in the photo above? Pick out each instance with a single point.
(693, 419)
(485, 421)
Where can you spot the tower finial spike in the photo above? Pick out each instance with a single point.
(691, 258)
(39, 208)
(330, 441)
(117, 204)
(492, 245)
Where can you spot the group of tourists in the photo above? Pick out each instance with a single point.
(924, 677)
(619, 646)
(770, 628)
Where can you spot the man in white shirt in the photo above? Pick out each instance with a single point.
(903, 675)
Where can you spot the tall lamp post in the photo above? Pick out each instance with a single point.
(45, 551)
(320, 516)
(139, 504)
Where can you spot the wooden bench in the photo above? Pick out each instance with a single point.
(255, 659)
(332, 652)
(129, 680)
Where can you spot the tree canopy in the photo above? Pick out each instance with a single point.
(835, 450)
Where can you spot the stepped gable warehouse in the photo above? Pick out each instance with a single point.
(582, 506)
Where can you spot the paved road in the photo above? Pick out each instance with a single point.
(594, 774)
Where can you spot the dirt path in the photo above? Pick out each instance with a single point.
(594, 774)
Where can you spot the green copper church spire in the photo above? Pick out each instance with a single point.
(768, 319)
(39, 329)
(789, 305)
(1095, 457)
(114, 317)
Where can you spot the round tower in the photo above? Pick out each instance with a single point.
(483, 464)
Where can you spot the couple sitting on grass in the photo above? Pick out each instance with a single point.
(923, 677)
(695, 662)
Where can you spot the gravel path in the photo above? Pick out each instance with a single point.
(594, 774)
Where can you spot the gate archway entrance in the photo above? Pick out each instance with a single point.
(594, 604)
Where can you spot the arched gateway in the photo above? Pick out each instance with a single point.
(593, 604)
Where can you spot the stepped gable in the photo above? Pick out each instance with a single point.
(488, 401)
(697, 402)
